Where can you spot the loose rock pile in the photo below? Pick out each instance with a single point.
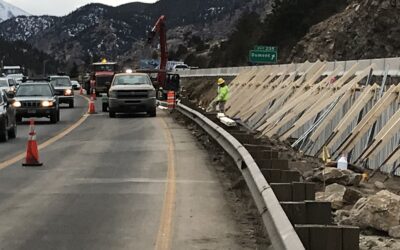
(331, 175)
(380, 211)
(339, 195)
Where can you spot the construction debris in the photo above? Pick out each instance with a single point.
(331, 175)
(339, 195)
(380, 211)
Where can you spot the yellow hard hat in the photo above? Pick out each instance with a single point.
(220, 81)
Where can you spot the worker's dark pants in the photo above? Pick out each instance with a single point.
(221, 106)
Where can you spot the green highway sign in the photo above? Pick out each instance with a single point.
(266, 48)
(263, 56)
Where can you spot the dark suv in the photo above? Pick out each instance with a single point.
(63, 89)
(36, 99)
(8, 125)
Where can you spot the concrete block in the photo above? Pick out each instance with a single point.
(328, 237)
(310, 213)
(261, 154)
(290, 176)
(280, 176)
(303, 191)
(319, 212)
(303, 231)
(295, 211)
(282, 191)
(280, 164)
(296, 191)
(350, 238)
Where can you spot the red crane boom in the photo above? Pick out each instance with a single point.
(160, 29)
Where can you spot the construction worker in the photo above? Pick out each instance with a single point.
(223, 94)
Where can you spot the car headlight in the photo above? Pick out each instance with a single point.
(68, 92)
(112, 94)
(152, 93)
(47, 103)
(17, 104)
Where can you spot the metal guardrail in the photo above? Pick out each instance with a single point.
(281, 232)
(382, 64)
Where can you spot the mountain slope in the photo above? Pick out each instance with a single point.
(97, 30)
(365, 29)
(286, 23)
(22, 28)
(8, 10)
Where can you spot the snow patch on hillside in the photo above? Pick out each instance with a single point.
(8, 11)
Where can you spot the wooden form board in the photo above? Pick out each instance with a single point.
(247, 90)
(270, 87)
(393, 157)
(362, 100)
(263, 92)
(368, 120)
(384, 135)
(264, 97)
(243, 96)
(278, 93)
(319, 92)
(307, 90)
(324, 101)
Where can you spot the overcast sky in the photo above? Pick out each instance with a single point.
(62, 7)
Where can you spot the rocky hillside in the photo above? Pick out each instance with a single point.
(316, 29)
(283, 27)
(23, 28)
(365, 29)
(96, 30)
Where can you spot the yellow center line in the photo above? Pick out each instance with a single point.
(164, 235)
(47, 143)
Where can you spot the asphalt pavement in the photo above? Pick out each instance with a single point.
(132, 182)
(44, 129)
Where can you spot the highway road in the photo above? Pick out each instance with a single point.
(45, 130)
(132, 182)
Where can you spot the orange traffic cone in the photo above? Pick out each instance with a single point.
(92, 109)
(94, 94)
(32, 153)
